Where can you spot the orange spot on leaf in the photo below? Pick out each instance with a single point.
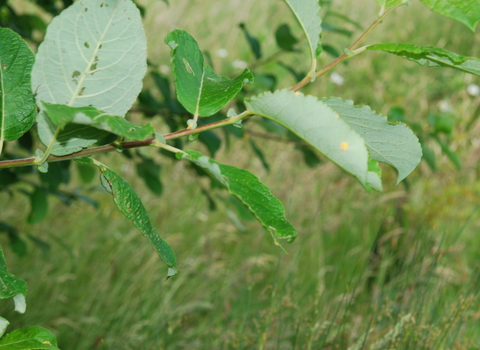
(344, 146)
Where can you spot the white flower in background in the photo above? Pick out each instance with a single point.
(164, 69)
(336, 78)
(443, 105)
(239, 64)
(222, 53)
(473, 90)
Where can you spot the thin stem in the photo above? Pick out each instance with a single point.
(346, 55)
(124, 145)
(49, 148)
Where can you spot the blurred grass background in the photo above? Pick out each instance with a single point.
(391, 270)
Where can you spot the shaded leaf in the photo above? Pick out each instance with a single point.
(29, 338)
(211, 140)
(259, 153)
(78, 64)
(150, 173)
(252, 41)
(395, 144)
(453, 156)
(87, 172)
(309, 156)
(317, 124)
(17, 105)
(129, 203)
(465, 11)
(307, 14)
(246, 187)
(285, 39)
(38, 206)
(432, 56)
(72, 138)
(429, 157)
(62, 115)
(199, 89)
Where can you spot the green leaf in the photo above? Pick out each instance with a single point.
(29, 338)
(86, 171)
(62, 115)
(87, 59)
(150, 173)
(429, 157)
(390, 3)
(259, 153)
(465, 11)
(38, 206)
(17, 105)
(452, 155)
(432, 56)
(11, 286)
(284, 38)
(307, 15)
(246, 187)
(129, 203)
(394, 144)
(317, 124)
(72, 138)
(374, 176)
(199, 89)
(252, 41)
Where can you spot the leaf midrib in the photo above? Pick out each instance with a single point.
(92, 59)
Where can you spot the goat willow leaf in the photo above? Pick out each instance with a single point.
(17, 105)
(29, 338)
(395, 144)
(390, 3)
(307, 13)
(94, 54)
(317, 124)
(465, 11)
(199, 89)
(432, 56)
(61, 115)
(130, 204)
(246, 187)
(11, 286)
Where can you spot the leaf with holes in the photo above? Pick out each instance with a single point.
(432, 56)
(394, 144)
(11, 286)
(246, 187)
(307, 13)
(130, 204)
(17, 105)
(61, 115)
(316, 123)
(465, 11)
(94, 54)
(199, 89)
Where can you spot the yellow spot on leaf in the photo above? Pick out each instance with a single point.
(47, 342)
(337, 116)
(297, 93)
(344, 146)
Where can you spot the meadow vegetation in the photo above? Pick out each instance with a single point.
(391, 270)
